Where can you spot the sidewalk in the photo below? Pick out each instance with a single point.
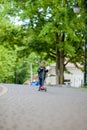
(3, 90)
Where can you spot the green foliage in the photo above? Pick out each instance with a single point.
(51, 24)
(84, 86)
(7, 63)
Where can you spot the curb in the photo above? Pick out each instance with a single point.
(3, 90)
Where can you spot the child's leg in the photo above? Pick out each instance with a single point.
(43, 82)
(40, 82)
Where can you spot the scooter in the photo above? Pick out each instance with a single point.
(42, 88)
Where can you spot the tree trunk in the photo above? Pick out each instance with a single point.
(61, 67)
(62, 61)
(57, 67)
(59, 62)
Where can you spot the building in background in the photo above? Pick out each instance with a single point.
(74, 78)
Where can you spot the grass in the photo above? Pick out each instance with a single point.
(84, 86)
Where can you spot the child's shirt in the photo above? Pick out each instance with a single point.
(42, 71)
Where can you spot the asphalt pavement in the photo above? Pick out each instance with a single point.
(60, 108)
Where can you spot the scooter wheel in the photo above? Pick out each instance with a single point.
(45, 89)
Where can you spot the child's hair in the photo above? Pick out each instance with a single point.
(43, 62)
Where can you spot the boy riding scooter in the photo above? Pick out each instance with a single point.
(42, 71)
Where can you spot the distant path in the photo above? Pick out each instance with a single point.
(25, 108)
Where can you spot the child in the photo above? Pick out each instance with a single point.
(42, 71)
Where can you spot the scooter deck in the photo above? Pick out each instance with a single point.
(43, 88)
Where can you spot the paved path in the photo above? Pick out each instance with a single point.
(25, 108)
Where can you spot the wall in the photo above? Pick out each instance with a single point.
(74, 78)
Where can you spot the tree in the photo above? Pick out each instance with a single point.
(56, 30)
(52, 29)
(13, 39)
(7, 64)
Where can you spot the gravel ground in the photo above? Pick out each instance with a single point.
(25, 108)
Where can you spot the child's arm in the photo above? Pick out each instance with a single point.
(46, 70)
(40, 69)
